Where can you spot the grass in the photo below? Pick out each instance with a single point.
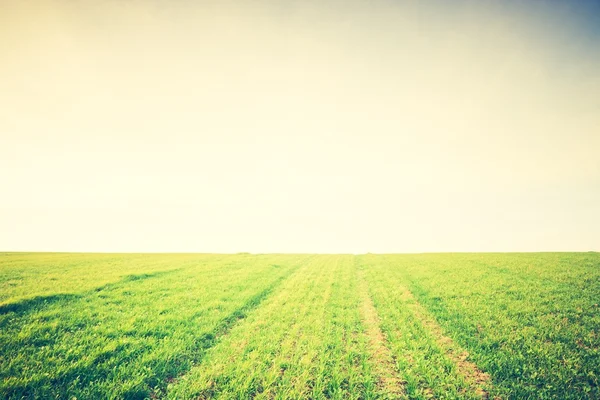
(173, 326)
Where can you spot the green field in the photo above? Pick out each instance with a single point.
(181, 326)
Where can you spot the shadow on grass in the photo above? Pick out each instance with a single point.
(127, 279)
(34, 303)
(38, 302)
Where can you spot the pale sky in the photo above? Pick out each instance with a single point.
(299, 126)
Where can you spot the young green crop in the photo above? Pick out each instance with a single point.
(129, 338)
(530, 320)
(26, 275)
(419, 326)
(421, 353)
(304, 342)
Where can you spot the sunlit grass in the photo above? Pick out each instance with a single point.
(139, 326)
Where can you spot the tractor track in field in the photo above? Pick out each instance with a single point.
(382, 359)
(210, 339)
(478, 379)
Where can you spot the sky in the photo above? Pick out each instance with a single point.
(299, 126)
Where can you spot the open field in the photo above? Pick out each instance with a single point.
(178, 326)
